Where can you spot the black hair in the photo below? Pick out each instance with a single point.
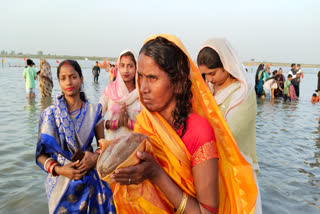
(97, 62)
(274, 72)
(314, 94)
(299, 65)
(210, 58)
(77, 68)
(30, 62)
(260, 67)
(203, 76)
(175, 63)
(293, 64)
(289, 75)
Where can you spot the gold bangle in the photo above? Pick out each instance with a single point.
(183, 203)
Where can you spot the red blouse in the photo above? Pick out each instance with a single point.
(199, 139)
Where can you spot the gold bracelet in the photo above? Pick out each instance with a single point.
(183, 203)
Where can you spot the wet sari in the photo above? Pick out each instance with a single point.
(60, 136)
(45, 79)
(237, 188)
(260, 90)
(293, 95)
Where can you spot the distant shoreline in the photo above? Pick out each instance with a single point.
(100, 58)
(33, 56)
(280, 64)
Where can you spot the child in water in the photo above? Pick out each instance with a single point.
(314, 98)
(286, 90)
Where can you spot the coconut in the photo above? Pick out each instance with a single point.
(119, 151)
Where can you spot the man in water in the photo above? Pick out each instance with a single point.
(295, 78)
(96, 72)
(30, 75)
(293, 70)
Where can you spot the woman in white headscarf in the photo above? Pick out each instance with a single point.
(120, 99)
(45, 78)
(235, 95)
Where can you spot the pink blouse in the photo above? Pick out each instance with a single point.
(199, 139)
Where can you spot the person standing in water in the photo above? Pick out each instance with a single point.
(295, 79)
(30, 75)
(286, 90)
(67, 128)
(180, 117)
(120, 99)
(296, 84)
(235, 96)
(45, 78)
(96, 72)
(258, 87)
(279, 91)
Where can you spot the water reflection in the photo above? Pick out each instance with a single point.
(95, 86)
(45, 102)
(31, 105)
(317, 149)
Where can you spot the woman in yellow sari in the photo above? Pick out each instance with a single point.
(185, 126)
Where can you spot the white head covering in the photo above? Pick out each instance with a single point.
(233, 65)
(117, 90)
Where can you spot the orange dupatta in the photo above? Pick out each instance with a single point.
(237, 188)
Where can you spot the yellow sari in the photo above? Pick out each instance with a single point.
(237, 188)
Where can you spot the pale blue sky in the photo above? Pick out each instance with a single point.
(276, 30)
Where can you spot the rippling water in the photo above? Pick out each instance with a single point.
(288, 145)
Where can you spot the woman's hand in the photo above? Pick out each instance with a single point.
(88, 161)
(70, 171)
(148, 168)
(123, 119)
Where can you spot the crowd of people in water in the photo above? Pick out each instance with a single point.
(200, 121)
(275, 85)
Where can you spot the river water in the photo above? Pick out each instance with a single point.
(288, 144)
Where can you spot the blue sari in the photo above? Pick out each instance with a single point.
(60, 136)
(260, 90)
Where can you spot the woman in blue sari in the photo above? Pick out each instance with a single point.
(261, 76)
(66, 128)
(260, 67)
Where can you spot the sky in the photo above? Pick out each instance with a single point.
(264, 30)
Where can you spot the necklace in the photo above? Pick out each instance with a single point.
(75, 111)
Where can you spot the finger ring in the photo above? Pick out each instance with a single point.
(129, 180)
